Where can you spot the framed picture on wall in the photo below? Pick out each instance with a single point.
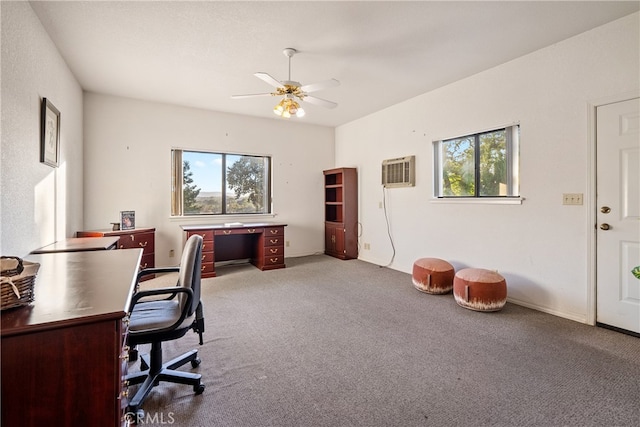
(49, 134)
(127, 220)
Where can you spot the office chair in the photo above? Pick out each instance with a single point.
(154, 320)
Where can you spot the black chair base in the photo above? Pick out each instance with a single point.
(153, 371)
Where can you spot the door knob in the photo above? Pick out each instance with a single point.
(605, 209)
(605, 227)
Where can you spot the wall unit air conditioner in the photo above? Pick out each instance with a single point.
(399, 172)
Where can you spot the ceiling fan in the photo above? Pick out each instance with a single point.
(292, 92)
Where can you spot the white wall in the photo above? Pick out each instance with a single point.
(40, 204)
(128, 166)
(541, 246)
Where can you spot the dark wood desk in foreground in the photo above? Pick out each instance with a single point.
(262, 243)
(64, 356)
(79, 244)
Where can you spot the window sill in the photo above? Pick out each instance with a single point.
(479, 200)
(221, 218)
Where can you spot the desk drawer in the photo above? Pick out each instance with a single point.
(274, 260)
(208, 269)
(272, 251)
(145, 241)
(274, 232)
(269, 262)
(206, 234)
(273, 241)
(147, 261)
(238, 231)
(207, 257)
(266, 252)
(207, 247)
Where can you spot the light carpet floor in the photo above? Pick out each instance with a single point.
(326, 342)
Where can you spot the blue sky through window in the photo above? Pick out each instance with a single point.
(206, 168)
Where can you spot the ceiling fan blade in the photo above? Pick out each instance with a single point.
(320, 85)
(251, 95)
(319, 101)
(268, 79)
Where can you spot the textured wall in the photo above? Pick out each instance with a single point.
(128, 166)
(541, 246)
(39, 204)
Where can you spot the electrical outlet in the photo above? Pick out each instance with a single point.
(286, 243)
(367, 246)
(379, 205)
(572, 199)
(172, 253)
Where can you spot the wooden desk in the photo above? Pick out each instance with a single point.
(262, 243)
(62, 355)
(140, 237)
(79, 244)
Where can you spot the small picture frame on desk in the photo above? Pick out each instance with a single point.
(127, 220)
(49, 134)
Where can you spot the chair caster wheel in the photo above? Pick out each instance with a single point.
(198, 389)
(196, 362)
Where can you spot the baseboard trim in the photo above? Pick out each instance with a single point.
(571, 316)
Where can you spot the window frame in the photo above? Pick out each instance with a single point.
(512, 157)
(177, 175)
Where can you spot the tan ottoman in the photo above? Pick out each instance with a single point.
(479, 289)
(433, 275)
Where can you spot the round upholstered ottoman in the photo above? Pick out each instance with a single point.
(433, 275)
(479, 289)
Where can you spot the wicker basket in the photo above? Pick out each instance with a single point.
(17, 278)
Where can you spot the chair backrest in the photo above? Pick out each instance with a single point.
(190, 270)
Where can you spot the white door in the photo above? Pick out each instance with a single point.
(618, 215)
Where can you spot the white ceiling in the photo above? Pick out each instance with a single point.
(200, 53)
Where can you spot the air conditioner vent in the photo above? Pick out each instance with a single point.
(399, 172)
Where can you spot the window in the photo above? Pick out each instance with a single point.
(206, 183)
(479, 165)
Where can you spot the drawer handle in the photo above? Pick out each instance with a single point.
(274, 241)
(202, 268)
(142, 267)
(203, 236)
(204, 245)
(143, 245)
(274, 251)
(275, 231)
(273, 260)
(121, 246)
(251, 230)
(132, 237)
(125, 353)
(226, 232)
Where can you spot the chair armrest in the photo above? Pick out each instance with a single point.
(161, 291)
(156, 270)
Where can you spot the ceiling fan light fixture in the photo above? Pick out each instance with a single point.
(287, 107)
(292, 91)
